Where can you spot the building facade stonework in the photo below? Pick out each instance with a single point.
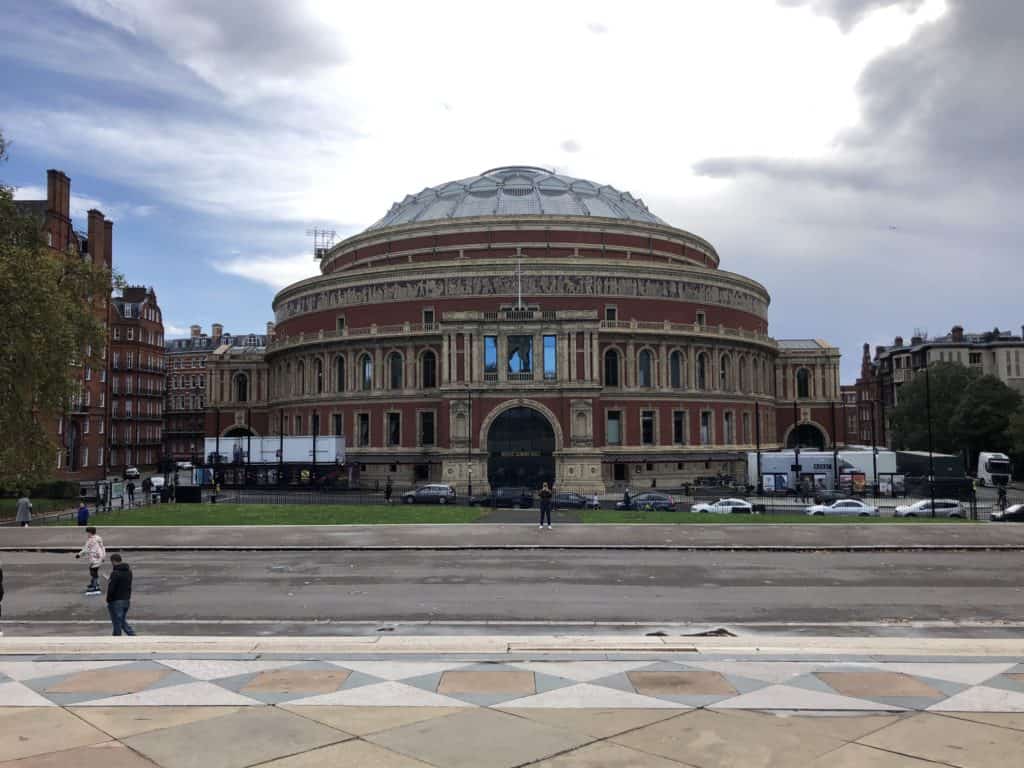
(522, 326)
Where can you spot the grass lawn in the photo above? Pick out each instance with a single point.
(284, 514)
(39, 506)
(616, 516)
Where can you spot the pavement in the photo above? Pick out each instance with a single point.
(501, 536)
(482, 702)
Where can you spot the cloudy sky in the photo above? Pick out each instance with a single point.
(861, 158)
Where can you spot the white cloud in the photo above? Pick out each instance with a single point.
(277, 272)
(172, 331)
(82, 204)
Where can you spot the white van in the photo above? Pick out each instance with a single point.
(993, 468)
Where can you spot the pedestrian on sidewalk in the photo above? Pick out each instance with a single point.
(119, 595)
(545, 505)
(23, 514)
(96, 552)
(83, 513)
(387, 490)
(131, 494)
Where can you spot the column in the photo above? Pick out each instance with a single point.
(410, 367)
(629, 366)
(445, 369)
(691, 367)
(595, 357)
(467, 358)
(502, 357)
(378, 368)
(572, 355)
(661, 369)
(588, 374)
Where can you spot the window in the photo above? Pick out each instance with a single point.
(491, 354)
(338, 424)
(340, 324)
(613, 432)
(611, 314)
(85, 456)
(363, 429)
(130, 334)
(88, 370)
(85, 426)
(975, 358)
(803, 383)
(702, 371)
(395, 377)
(394, 429)
(116, 360)
(366, 373)
(339, 371)
(644, 366)
(318, 371)
(314, 423)
(241, 388)
(611, 368)
(298, 425)
(702, 319)
(117, 334)
(99, 456)
(725, 374)
(520, 357)
(428, 370)
(679, 427)
(729, 424)
(746, 429)
(647, 427)
(300, 378)
(128, 360)
(705, 428)
(427, 428)
(550, 357)
(428, 318)
(675, 370)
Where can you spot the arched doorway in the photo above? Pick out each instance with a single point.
(520, 449)
(806, 436)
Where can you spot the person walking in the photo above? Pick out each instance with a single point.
(626, 501)
(387, 490)
(23, 514)
(545, 506)
(119, 595)
(131, 494)
(147, 487)
(83, 513)
(96, 552)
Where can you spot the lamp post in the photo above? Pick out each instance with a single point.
(928, 412)
(757, 445)
(835, 449)
(874, 453)
(469, 442)
(796, 446)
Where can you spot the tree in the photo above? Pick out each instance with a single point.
(1015, 430)
(982, 417)
(909, 419)
(51, 312)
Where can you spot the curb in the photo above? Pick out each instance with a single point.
(531, 547)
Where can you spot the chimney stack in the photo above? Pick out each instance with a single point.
(216, 330)
(270, 329)
(958, 333)
(96, 235)
(898, 342)
(108, 243)
(195, 331)
(58, 193)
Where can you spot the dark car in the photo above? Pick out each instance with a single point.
(436, 493)
(508, 498)
(1012, 514)
(826, 496)
(649, 500)
(571, 500)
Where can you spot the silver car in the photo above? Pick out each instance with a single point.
(844, 507)
(923, 508)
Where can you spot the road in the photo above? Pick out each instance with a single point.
(290, 592)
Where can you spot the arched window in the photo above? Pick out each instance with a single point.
(318, 368)
(366, 373)
(803, 383)
(742, 374)
(428, 370)
(675, 370)
(725, 374)
(395, 376)
(644, 366)
(300, 378)
(288, 381)
(241, 388)
(339, 365)
(611, 368)
(702, 371)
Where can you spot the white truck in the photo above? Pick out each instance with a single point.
(993, 468)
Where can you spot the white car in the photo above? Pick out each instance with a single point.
(725, 507)
(923, 508)
(844, 507)
(132, 473)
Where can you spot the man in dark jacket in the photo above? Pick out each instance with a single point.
(119, 595)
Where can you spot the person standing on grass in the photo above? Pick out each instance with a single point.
(23, 515)
(545, 505)
(96, 552)
(131, 494)
(387, 490)
(83, 513)
(119, 595)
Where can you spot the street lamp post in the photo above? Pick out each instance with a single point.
(796, 446)
(757, 445)
(469, 442)
(835, 449)
(928, 411)
(874, 454)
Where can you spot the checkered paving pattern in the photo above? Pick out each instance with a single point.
(884, 686)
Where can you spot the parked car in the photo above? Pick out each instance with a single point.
(132, 473)
(725, 507)
(572, 500)
(437, 493)
(649, 500)
(844, 507)
(1012, 514)
(923, 508)
(508, 498)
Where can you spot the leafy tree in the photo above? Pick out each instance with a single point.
(982, 417)
(51, 312)
(909, 419)
(1015, 430)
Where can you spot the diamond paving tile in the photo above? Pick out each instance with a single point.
(982, 698)
(198, 693)
(588, 695)
(793, 697)
(388, 693)
(216, 669)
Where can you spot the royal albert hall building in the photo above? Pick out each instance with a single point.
(521, 326)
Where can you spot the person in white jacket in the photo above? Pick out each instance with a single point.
(96, 553)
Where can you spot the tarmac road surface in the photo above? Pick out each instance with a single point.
(291, 592)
